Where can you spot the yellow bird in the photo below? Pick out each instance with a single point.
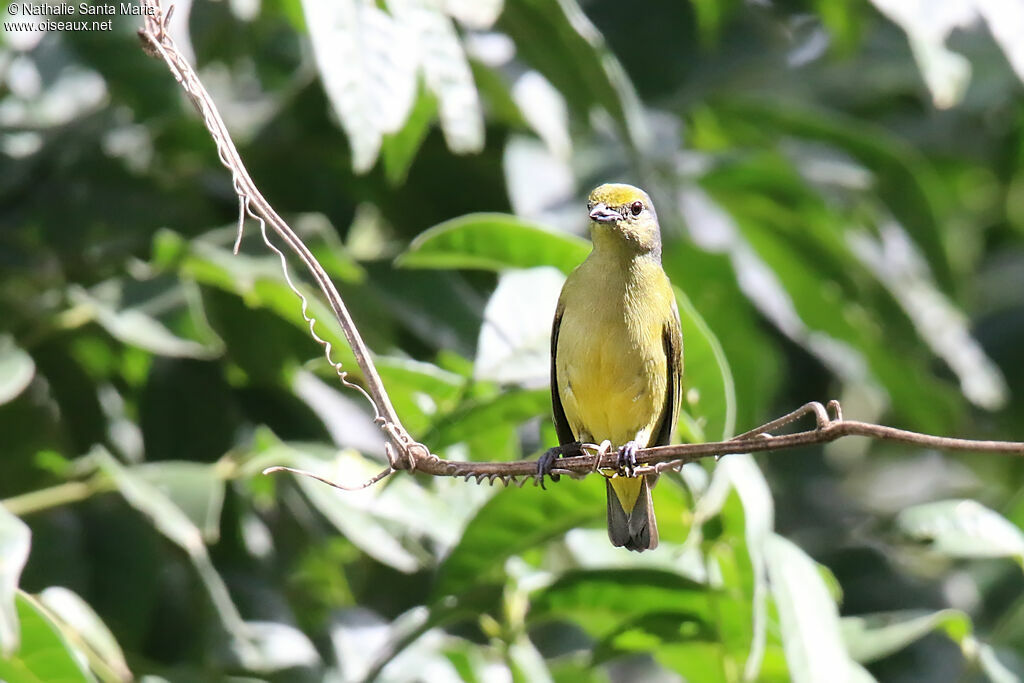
(616, 354)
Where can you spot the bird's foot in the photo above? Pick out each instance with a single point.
(546, 461)
(627, 458)
(602, 450)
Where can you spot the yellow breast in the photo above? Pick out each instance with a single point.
(610, 359)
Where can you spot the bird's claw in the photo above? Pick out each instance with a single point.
(627, 459)
(545, 462)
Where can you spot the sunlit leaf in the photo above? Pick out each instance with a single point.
(387, 522)
(169, 520)
(875, 636)
(515, 520)
(16, 369)
(15, 540)
(743, 474)
(515, 339)
(476, 14)
(367, 62)
(904, 180)
(787, 286)
(511, 406)
(897, 265)
(808, 616)
(582, 68)
(963, 528)
(82, 626)
(137, 328)
(260, 284)
(281, 646)
(947, 73)
(545, 111)
(45, 655)
(709, 396)
(197, 489)
(994, 668)
(446, 71)
(526, 663)
(350, 511)
(409, 647)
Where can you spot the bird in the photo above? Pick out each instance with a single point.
(617, 355)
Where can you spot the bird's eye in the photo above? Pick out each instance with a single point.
(636, 207)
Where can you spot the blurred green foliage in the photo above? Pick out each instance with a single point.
(841, 190)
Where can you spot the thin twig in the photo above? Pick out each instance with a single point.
(157, 41)
(403, 451)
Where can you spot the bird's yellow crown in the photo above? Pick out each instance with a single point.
(617, 194)
(623, 220)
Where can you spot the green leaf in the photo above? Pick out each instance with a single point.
(905, 181)
(418, 390)
(874, 636)
(83, 627)
(600, 600)
(513, 521)
(741, 472)
(259, 282)
(993, 667)
(808, 617)
(557, 38)
(147, 499)
(364, 643)
(477, 418)
(15, 539)
(446, 72)
(493, 241)
(708, 279)
(963, 528)
(399, 149)
(16, 369)
(681, 641)
(359, 526)
(695, 660)
(353, 513)
(526, 663)
(390, 523)
(281, 646)
(709, 397)
(514, 346)
(195, 488)
(851, 342)
(169, 520)
(367, 63)
(135, 327)
(712, 15)
(45, 656)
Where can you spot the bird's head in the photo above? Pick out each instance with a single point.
(622, 216)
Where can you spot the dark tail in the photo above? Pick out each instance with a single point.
(637, 530)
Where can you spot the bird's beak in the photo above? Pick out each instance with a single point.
(602, 214)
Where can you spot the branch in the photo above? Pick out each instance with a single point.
(403, 451)
(157, 42)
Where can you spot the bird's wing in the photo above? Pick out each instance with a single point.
(562, 427)
(672, 339)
